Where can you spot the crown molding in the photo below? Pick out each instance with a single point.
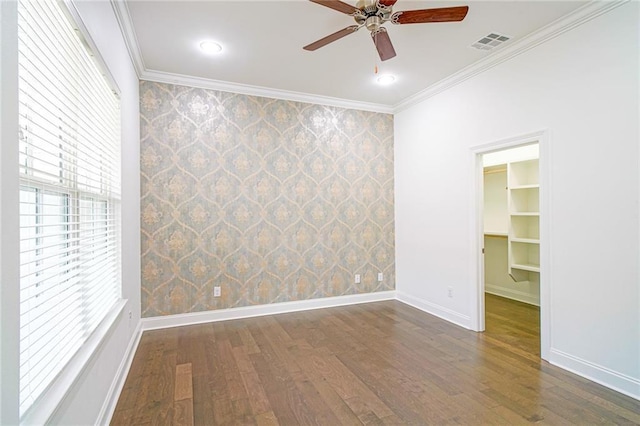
(578, 17)
(123, 17)
(246, 89)
(568, 22)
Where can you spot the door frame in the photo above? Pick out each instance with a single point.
(477, 226)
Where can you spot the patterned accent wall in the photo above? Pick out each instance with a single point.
(272, 200)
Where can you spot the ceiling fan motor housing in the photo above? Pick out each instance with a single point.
(368, 6)
(373, 22)
(371, 13)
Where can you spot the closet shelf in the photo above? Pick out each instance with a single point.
(526, 267)
(525, 240)
(496, 234)
(532, 186)
(524, 213)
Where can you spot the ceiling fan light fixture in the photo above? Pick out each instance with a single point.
(386, 79)
(210, 47)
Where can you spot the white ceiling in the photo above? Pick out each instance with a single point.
(263, 42)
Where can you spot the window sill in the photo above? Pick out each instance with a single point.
(42, 410)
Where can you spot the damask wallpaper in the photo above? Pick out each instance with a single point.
(272, 200)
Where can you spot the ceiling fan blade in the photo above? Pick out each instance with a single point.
(444, 14)
(337, 5)
(383, 44)
(331, 38)
(387, 3)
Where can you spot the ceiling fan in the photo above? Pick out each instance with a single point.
(373, 13)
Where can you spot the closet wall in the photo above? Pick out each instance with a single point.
(496, 229)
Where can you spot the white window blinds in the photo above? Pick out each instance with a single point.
(69, 194)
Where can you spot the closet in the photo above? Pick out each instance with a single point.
(512, 223)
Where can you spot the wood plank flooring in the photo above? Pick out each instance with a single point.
(513, 322)
(377, 363)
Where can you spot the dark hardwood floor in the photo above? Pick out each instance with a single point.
(377, 363)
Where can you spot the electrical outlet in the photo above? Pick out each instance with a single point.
(216, 291)
(450, 291)
(357, 279)
(130, 316)
(380, 277)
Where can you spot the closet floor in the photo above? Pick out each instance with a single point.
(514, 323)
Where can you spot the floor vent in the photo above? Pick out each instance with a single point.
(490, 41)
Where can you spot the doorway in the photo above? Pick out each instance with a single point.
(511, 296)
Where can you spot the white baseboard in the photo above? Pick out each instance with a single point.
(435, 309)
(169, 321)
(109, 406)
(624, 384)
(520, 296)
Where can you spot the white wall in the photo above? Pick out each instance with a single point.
(583, 87)
(88, 395)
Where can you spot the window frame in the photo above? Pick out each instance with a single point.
(47, 404)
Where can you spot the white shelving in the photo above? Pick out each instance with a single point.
(496, 234)
(524, 219)
(525, 255)
(523, 173)
(525, 240)
(524, 199)
(526, 227)
(511, 216)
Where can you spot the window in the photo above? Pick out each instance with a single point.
(69, 146)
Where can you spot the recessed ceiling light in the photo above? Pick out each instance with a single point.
(386, 79)
(210, 47)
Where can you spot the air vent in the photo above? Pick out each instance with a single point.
(490, 41)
